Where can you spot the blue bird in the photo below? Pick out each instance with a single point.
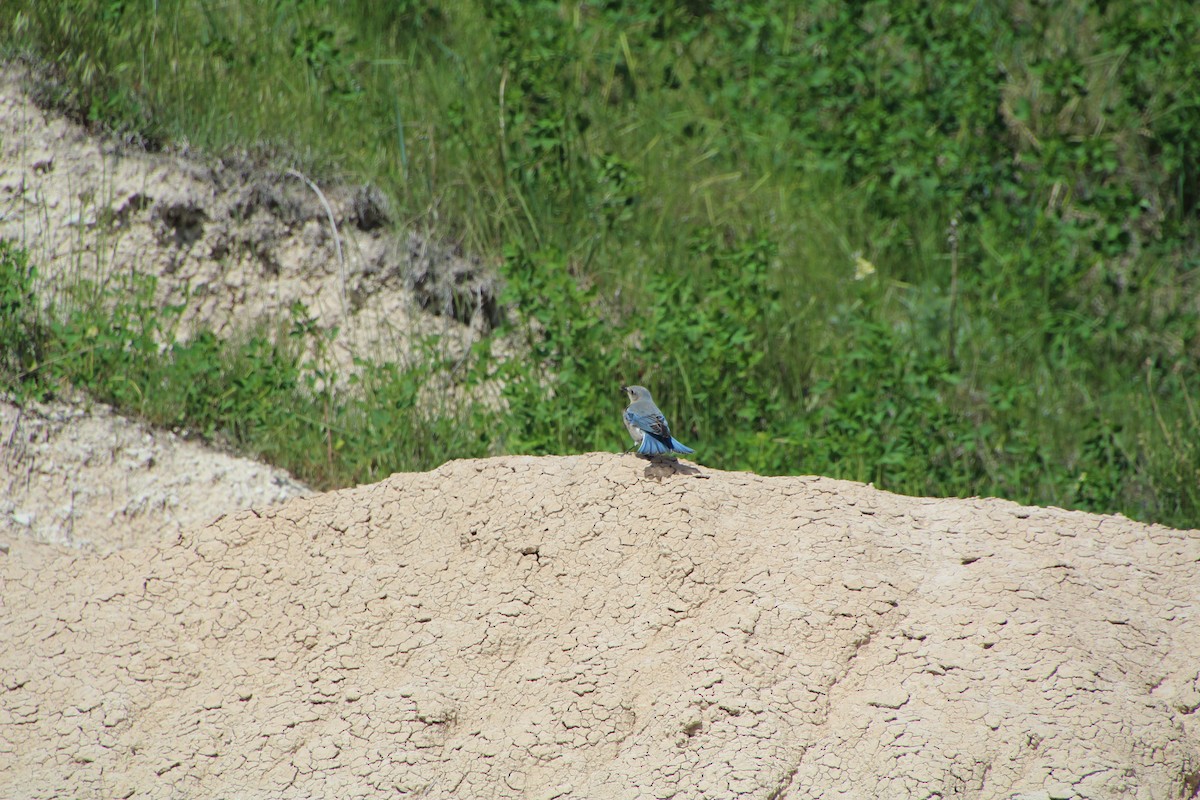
(647, 425)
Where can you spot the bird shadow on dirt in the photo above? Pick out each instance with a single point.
(660, 467)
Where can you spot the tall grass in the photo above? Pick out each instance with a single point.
(682, 195)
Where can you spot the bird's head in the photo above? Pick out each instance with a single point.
(636, 393)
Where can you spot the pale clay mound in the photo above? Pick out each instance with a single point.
(238, 244)
(597, 627)
(85, 477)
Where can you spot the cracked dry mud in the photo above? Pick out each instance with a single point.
(593, 627)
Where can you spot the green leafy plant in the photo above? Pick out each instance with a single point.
(22, 340)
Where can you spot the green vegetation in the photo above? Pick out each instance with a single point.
(950, 248)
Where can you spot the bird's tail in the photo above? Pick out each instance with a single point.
(653, 446)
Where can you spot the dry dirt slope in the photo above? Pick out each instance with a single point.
(594, 627)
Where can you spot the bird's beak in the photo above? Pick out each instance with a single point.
(624, 388)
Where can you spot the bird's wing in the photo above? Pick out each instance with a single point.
(652, 423)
